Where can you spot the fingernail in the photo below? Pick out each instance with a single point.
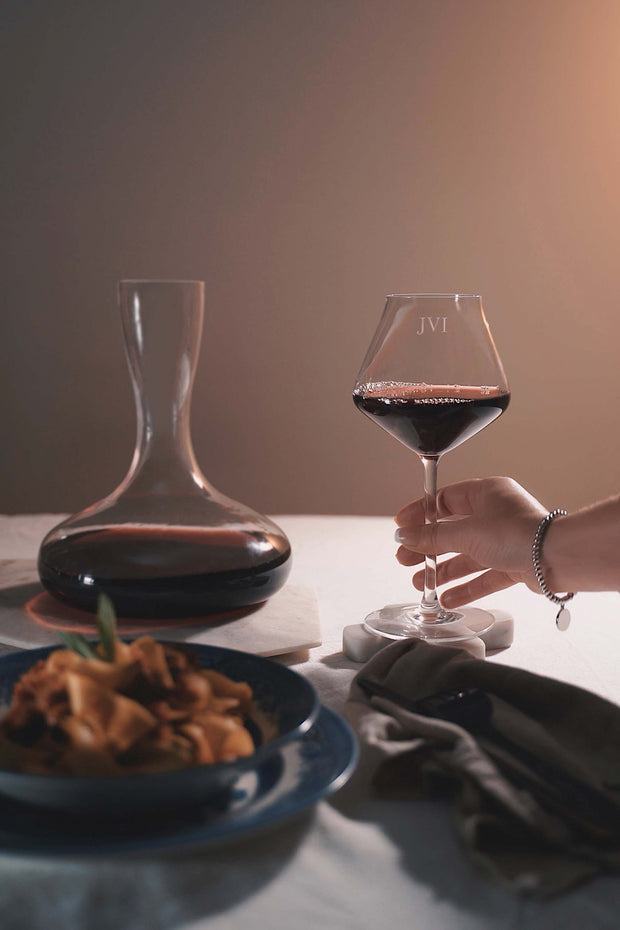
(404, 536)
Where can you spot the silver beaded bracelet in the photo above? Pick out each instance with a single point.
(562, 621)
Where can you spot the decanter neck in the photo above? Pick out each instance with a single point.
(162, 325)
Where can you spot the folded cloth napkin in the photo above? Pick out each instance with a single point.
(532, 765)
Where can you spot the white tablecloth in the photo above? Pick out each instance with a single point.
(351, 862)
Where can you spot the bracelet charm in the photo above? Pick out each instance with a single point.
(562, 621)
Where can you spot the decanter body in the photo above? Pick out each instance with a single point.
(165, 543)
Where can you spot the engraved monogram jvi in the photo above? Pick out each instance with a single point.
(436, 324)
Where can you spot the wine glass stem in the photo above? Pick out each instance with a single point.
(430, 601)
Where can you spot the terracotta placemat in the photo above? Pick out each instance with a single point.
(30, 617)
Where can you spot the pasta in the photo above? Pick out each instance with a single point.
(147, 708)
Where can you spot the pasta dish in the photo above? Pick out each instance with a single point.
(123, 708)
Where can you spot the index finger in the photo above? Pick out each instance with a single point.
(452, 500)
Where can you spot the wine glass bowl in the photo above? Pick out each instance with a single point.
(432, 378)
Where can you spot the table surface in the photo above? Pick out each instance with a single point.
(351, 861)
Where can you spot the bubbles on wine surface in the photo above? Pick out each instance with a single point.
(423, 393)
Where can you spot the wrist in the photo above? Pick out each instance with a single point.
(580, 551)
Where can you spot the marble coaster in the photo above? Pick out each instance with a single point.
(29, 617)
(359, 645)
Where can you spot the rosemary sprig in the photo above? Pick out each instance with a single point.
(79, 644)
(106, 624)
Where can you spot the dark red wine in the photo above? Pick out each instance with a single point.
(165, 571)
(430, 419)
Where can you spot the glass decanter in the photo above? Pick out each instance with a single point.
(165, 543)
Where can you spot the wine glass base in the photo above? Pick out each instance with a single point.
(404, 621)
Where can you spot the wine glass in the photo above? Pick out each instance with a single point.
(432, 378)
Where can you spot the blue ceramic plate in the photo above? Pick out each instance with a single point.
(296, 777)
(286, 707)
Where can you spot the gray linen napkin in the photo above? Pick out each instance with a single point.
(531, 765)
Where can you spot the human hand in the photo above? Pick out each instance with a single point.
(489, 522)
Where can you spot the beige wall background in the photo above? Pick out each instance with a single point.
(304, 158)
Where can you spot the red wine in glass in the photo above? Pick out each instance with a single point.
(431, 419)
